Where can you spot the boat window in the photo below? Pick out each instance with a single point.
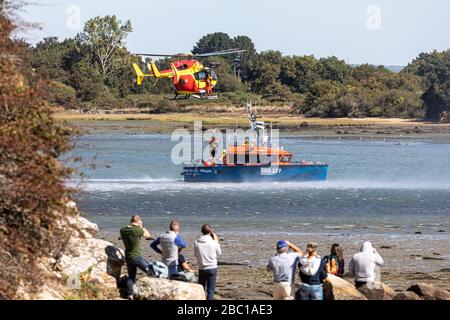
(285, 159)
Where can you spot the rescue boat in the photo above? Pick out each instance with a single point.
(255, 163)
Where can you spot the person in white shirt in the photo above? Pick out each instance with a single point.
(207, 249)
(363, 265)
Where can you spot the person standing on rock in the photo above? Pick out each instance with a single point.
(207, 249)
(312, 274)
(131, 236)
(170, 242)
(363, 265)
(283, 266)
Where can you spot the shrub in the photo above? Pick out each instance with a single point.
(32, 189)
(62, 94)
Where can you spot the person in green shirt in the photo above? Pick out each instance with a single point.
(131, 236)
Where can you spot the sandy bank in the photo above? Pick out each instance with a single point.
(347, 128)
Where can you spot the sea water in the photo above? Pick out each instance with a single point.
(384, 187)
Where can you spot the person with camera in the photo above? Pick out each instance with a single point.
(363, 265)
(207, 249)
(283, 265)
(131, 236)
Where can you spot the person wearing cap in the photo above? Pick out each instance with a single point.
(312, 274)
(283, 266)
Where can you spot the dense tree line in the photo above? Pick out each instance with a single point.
(94, 70)
(434, 70)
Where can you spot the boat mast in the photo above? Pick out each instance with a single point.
(256, 126)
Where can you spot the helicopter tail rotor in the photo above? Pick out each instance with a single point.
(139, 74)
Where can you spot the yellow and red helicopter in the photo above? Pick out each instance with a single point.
(189, 76)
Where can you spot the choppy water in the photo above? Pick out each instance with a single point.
(375, 187)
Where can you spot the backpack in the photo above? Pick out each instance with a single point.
(327, 262)
(157, 269)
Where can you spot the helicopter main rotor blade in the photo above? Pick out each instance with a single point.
(161, 55)
(219, 53)
(190, 55)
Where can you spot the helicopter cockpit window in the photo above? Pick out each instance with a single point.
(200, 75)
(213, 74)
(183, 67)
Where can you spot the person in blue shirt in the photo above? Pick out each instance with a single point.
(283, 266)
(167, 246)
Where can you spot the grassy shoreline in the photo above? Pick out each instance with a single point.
(230, 119)
(351, 128)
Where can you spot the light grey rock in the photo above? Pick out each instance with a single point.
(380, 291)
(428, 292)
(162, 289)
(407, 295)
(336, 288)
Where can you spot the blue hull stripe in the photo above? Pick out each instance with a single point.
(219, 173)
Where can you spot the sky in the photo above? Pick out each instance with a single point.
(380, 32)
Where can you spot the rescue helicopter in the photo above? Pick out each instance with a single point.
(189, 76)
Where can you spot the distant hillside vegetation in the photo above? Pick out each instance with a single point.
(84, 78)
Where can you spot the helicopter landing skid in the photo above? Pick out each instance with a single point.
(177, 97)
(205, 97)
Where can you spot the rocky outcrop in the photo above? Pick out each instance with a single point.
(407, 295)
(379, 291)
(336, 288)
(86, 228)
(86, 260)
(162, 289)
(428, 292)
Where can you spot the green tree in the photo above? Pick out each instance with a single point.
(48, 59)
(54, 60)
(122, 78)
(213, 42)
(62, 94)
(375, 92)
(331, 68)
(300, 73)
(105, 36)
(242, 60)
(434, 68)
(265, 71)
(221, 41)
(87, 81)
